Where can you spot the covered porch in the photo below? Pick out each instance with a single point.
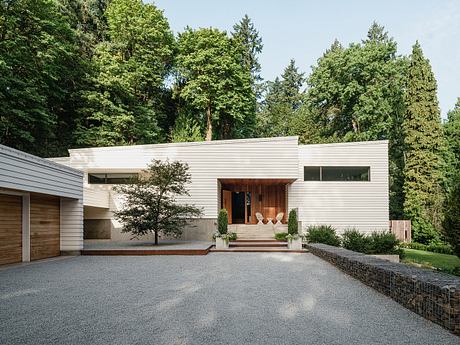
(243, 198)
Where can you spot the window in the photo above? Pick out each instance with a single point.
(337, 173)
(111, 178)
(312, 173)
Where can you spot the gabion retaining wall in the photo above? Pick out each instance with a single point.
(433, 295)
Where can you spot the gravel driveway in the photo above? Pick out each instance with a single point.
(221, 298)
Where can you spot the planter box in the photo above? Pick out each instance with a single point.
(388, 257)
(295, 244)
(221, 244)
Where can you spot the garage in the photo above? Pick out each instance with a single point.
(41, 208)
(10, 229)
(44, 226)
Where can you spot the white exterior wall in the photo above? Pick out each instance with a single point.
(26, 173)
(208, 161)
(71, 224)
(343, 204)
(22, 171)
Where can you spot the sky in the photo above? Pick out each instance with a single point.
(303, 30)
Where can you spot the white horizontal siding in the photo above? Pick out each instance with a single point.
(208, 161)
(363, 205)
(71, 224)
(95, 198)
(21, 171)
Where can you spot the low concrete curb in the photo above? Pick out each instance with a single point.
(433, 295)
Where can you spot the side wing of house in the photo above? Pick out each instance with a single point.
(41, 207)
(344, 185)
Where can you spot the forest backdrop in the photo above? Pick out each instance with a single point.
(78, 73)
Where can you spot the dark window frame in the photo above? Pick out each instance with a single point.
(108, 180)
(321, 175)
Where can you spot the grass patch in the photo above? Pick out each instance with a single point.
(444, 262)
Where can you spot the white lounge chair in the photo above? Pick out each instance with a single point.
(260, 218)
(279, 218)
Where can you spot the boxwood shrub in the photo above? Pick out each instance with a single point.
(281, 236)
(354, 240)
(325, 234)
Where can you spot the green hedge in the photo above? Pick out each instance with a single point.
(375, 243)
(435, 248)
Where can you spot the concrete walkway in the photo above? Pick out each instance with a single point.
(221, 298)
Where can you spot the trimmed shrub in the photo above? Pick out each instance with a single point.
(293, 225)
(440, 248)
(322, 234)
(281, 236)
(414, 245)
(222, 221)
(354, 240)
(383, 243)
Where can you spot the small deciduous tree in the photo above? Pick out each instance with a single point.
(150, 201)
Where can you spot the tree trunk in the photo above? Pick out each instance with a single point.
(209, 124)
(156, 238)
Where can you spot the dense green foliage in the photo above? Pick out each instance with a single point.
(281, 236)
(451, 222)
(423, 145)
(293, 225)
(150, 201)
(375, 243)
(213, 81)
(111, 72)
(325, 234)
(222, 222)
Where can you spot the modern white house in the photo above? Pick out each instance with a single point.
(41, 208)
(344, 185)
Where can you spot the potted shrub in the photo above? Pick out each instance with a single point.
(222, 238)
(294, 240)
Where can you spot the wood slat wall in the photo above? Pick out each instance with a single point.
(272, 202)
(10, 229)
(44, 226)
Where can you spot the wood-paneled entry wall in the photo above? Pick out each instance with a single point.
(44, 226)
(10, 229)
(268, 199)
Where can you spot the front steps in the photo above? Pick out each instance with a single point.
(258, 246)
(256, 232)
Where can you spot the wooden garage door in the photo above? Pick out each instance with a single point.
(44, 226)
(10, 229)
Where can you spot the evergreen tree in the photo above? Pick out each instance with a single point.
(451, 222)
(212, 80)
(282, 102)
(124, 104)
(247, 35)
(423, 148)
(452, 135)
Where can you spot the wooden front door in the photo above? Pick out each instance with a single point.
(44, 226)
(10, 229)
(227, 203)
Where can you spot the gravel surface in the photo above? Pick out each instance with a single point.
(221, 298)
(141, 245)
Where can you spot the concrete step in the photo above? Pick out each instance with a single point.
(274, 244)
(258, 250)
